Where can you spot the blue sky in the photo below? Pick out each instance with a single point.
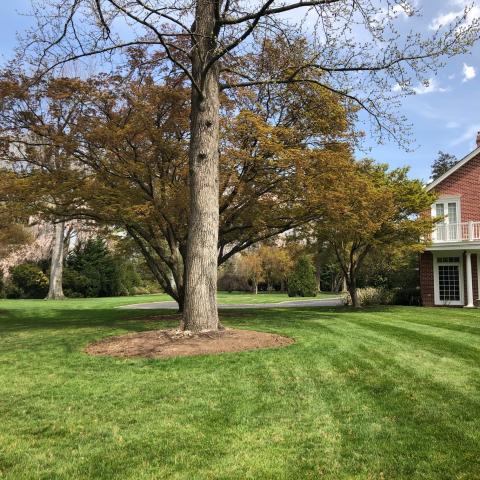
(445, 116)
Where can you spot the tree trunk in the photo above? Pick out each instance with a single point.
(318, 272)
(200, 311)
(181, 301)
(352, 291)
(255, 287)
(55, 291)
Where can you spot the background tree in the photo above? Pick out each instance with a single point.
(250, 266)
(380, 213)
(31, 122)
(442, 164)
(13, 233)
(302, 281)
(277, 264)
(210, 43)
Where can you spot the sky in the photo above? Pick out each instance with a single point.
(444, 116)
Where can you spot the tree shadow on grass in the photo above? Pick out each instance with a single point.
(18, 320)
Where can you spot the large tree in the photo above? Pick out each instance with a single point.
(210, 42)
(124, 159)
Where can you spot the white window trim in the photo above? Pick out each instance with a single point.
(436, 280)
(446, 200)
(478, 276)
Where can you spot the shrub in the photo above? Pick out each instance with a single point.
(381, 296)
(75, 284)
(12, 291)
(232, 282)
(302, 281)
(370, 296)
(28, 281)
(407, 296)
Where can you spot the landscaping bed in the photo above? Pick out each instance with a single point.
(174, 343)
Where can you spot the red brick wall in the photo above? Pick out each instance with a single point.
(465, 183)
(426, 279)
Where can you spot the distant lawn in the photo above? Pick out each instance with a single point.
(384, 393)
(233, 297)
(264, 297)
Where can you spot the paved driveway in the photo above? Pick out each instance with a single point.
(325, 302)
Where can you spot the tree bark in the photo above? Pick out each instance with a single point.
(352, 291)
(55, 291)
(318, 272)
(200, 311)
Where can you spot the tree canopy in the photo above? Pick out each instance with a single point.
(121, 158)
(381, 210)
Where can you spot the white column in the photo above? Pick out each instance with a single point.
(469, 280)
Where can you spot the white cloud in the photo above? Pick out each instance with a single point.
(444, 19)
(430, 86)
(469, 135)
(468, 72)
(453, 125)
(404, 9)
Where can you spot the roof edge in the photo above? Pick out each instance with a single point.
(458, 165)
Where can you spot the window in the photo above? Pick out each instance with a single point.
(448, 228)
(449, 283)
(448, 280)
(448, 259)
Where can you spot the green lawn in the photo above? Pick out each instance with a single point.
(241, 297)
(378, 394)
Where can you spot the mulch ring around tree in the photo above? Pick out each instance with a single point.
(175, 343)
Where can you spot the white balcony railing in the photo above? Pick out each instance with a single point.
(456, 232)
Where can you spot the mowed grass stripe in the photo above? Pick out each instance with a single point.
(381, 393)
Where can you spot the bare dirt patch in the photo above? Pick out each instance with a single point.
(171, 343)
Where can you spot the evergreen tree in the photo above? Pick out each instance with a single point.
(302, 281)
(443, 163)
(92, 271)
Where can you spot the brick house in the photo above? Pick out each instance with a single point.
(450, 265)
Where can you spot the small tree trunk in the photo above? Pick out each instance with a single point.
(318, 273)
(255, 287)
(352, 291)
(55, 291)
(200, 311)
(181, 300)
